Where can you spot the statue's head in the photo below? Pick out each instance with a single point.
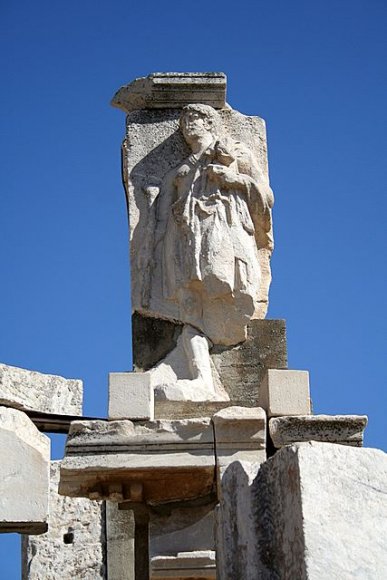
(196, 120)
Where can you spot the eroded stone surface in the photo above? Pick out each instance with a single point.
(321, 513)
(33, 391)
(343, 429)
(73, 547)
(285, 392)
(24, 474)
(185, 565)
(131, 396)
(172, 90)
(199, 205)
(171, 460)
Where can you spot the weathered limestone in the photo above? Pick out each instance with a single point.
(240, 436)
(241, 368)
(321, 513)
(201, 236)
(33, 391)
(131, 396)
(343, 429)
(74, 544)
(172, 90)
(24, 474)
(190, 565)
(285, 392)
(119, 543)
(152, 462)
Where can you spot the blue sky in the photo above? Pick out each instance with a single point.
(315, 71)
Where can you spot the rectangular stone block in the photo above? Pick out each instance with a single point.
(321, 513)
(130, 396)
(24, 474)
(33, 391)
(119, 543)
(74, 544)
(342, 429)
(190, 565)
(285, 392)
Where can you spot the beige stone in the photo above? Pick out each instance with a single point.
(33, 391)
(285, 392)
(189, 565)
(73, 546)
(155, 461)
(131, 396)
(321, 513)
(24, 474)
(342, 429)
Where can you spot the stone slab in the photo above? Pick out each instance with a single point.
(190, 565)
(285, 392)
(119, 460)
(172, 90)
(342, 429)
(74, 544)
(34, 391)
(24, 474)
(131, 396)
(321, 513)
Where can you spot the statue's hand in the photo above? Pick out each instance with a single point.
(223, 175)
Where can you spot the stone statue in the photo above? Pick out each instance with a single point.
(201, 231)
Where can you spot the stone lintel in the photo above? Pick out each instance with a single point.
(172, 90)
(190, 565)
(341, 429)
(33, 391)
(154, 462)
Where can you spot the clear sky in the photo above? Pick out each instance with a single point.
(315, 71)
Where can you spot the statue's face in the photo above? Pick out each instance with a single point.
(194, 125)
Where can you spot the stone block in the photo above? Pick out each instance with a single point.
(190, 565)
(342, 429)
(240, 435)
(155, 461)
(172, 90)
(74, 544)
(24, 474)
(321, 513)
(285, 392)
(33, 391)
(131, 396)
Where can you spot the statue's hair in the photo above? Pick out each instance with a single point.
(204, 111)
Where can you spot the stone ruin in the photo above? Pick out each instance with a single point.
(210, 463)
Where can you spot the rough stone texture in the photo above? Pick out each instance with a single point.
(201, 237)
(240, 435)
(73, 547)
(240, 369)
(24, 474)
(342, 429)
(117, 460)
(161, 90)
(321, 513)
(285, 392)
(185, 565)
(33, 391)
(130, 396)
(119, 543)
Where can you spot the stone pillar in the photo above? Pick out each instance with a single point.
(240, 446)
(119, 543)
